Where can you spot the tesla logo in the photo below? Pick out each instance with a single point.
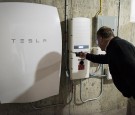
(28, 40)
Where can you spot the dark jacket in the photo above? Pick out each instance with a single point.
(120, 55)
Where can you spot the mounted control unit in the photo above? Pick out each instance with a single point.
(110, 21)
(80, 40)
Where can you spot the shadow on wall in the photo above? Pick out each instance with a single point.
(47, 75)
(48, 65)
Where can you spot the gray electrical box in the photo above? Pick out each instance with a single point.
(110, 21)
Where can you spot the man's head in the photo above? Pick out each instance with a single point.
(104, 35)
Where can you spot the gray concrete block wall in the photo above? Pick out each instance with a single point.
(111, 99)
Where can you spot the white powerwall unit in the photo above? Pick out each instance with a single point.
(31, 51)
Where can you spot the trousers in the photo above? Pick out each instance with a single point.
(131, 106)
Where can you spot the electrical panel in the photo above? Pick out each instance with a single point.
(110, 21)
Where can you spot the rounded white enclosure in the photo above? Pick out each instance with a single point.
(31, 50)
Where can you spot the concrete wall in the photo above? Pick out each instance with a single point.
(111, 99)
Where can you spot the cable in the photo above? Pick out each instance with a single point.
(71, 92)
(100, 9)
(101, 88)
(92, 99)
(97, 69)
(66, 38)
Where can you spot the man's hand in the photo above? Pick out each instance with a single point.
(81, 54)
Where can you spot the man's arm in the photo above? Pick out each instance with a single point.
(101, 59)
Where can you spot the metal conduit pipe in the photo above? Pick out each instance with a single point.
(75, 102)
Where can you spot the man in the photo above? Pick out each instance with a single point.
(120, 56)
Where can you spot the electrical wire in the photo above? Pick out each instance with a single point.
(92, 99)
(97, 69)
(66, 38)
(100, 9)
(95, 75)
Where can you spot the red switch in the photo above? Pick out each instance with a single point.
(81, 65)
